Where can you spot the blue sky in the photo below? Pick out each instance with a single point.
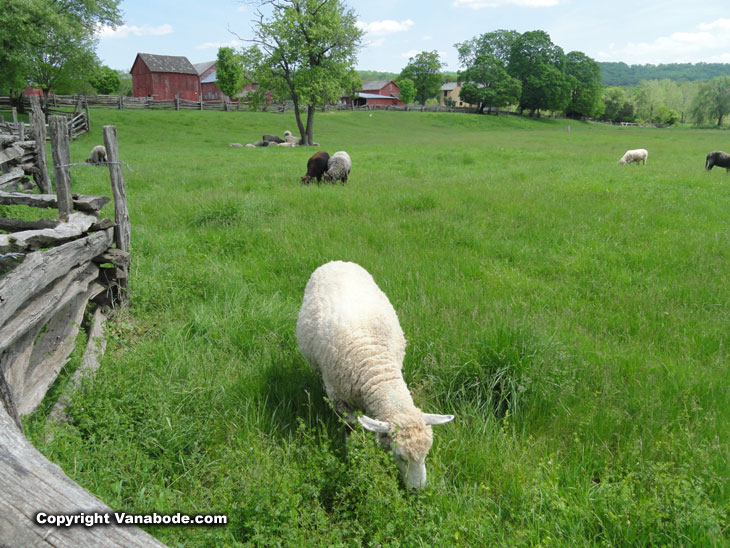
(634, 32)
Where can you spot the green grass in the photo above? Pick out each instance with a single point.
(572, 313)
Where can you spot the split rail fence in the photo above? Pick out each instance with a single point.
(53, 274)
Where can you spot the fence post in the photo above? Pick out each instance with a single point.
(88, 118)
(177, 101)
(58, 127)
(38, 128)
(122, 230)
(201, 101)
(15, 116)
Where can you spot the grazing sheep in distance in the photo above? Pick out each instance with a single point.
(718, 158)
(97, 156)
(316, 166)
(349, 332)
(637, 155)
(338, 167)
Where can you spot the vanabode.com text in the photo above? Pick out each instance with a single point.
(89, 519)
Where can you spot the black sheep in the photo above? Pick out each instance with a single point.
(316, 167)
(719, 159)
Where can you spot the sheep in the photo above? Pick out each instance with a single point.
(349, 332)
(338, 167)
(719, 159)
(97, 156)
(289, 138)
(316, 166)
(637, 155)
(267, 138)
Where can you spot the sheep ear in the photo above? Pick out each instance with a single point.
(374, 425)
(430, 418)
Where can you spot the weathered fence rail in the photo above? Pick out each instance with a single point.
(52, 272)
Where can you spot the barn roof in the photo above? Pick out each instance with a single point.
(448, 86)
(167, 63)
(211, 78)
(375, 84)
(202, 67)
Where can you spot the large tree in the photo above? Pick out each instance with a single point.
(407, 90)
(425, 71)
(105, 80)
(45, 42)
(712, 100)
(585, 95)
(304, 51)
(229, 72)
(497, 43)
(488, 84)
(540, 66)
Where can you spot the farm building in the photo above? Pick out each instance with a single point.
(451, 90)
(377, 93)
(208, 78)
(164, 76)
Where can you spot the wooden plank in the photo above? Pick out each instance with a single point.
(13, 176)
(10, 153)
(50, 353)
(30, 484)
(75, 225)
(58, 127)
(8, 402)
(81, 202)
(14, 225)
(40, 268)
(45, 304)
(122, 232)
(90, 362)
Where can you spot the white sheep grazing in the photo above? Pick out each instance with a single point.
(97, 156)
(338, 167)
(349, 332)
(637, 155)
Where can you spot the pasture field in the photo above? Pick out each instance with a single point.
(572, 313)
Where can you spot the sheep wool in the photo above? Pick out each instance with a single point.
(97, 156)
(338, 167)
(349, 332)
(636, 155)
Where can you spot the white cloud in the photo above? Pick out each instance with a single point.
(124, 31)
(216, 45)
(383, 28)
(710, 43)
(479, 4)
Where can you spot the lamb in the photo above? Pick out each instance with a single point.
(316, 166)
(637, 155)
(97, 156)
(338, 167)
(719, 159)
(349, 332)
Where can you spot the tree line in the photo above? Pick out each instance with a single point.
(621, 74)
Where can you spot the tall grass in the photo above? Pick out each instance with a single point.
(571, 312)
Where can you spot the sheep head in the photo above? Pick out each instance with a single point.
(409, 438)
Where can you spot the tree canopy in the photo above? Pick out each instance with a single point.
(229, 72)
(712, 101)
(488, 84)
(304, 50)
(105, 80)
(50, 44)
(585, 80)
(425, 71)
(407, 90)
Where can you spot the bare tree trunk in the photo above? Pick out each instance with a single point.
(308, 140)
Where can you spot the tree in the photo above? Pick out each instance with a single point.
(229, 72)
(425, 71)
(407, 90)
(540, 66)
(712, 100)
(305, 51)
(50, 43)
(497, 43)
(618, 108)
(488, 84)
(585, 95)
(105, 80)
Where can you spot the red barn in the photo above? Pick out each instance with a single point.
(378, 92)
(164, 76)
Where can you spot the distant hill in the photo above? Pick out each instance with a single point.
(621, 74)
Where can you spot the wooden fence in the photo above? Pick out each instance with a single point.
(78, 119)
(52, 274)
